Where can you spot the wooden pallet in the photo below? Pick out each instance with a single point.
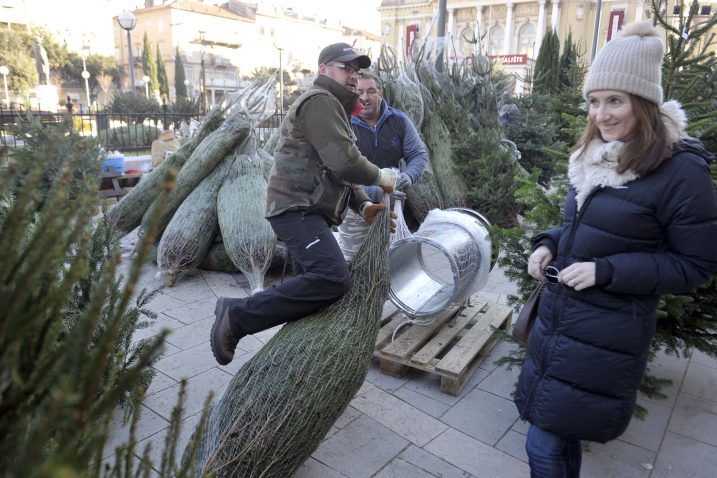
(452, 346)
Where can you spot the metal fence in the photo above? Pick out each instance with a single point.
(125, 132)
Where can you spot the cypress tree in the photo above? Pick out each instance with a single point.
(149, 65)
(568, 62)
(547, 65)
(179, 76)
(162, 76)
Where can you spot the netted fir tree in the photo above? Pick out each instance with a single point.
(67, 316)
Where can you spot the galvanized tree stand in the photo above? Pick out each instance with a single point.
(434, 321)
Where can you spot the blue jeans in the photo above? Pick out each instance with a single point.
(551, 456)
(321, 276)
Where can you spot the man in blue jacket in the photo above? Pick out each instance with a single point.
(385, 136)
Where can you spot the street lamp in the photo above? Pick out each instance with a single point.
(145, 80)
(128, 21)
(4, 71)
(85, 74)
(281, 81)
(203, 75)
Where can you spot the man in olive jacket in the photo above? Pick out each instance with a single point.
(316, 176)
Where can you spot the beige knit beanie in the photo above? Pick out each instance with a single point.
(630, 62)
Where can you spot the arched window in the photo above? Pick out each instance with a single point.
(526, 40)
(497, 34)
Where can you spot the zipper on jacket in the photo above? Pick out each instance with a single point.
(576, 220)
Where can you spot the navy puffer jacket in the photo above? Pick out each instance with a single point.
(648, 236)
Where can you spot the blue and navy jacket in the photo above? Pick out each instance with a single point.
(393, 138)
(588, 349)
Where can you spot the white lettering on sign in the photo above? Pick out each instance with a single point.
(510, 59)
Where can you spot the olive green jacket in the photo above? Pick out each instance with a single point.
(317, 165)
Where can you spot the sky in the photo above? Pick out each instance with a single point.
(75, 20)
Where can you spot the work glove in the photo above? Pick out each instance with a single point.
(387, 179)
(369, 214)
(397, 196)
(404, 182)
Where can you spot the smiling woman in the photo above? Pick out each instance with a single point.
(639, 215)
(612, 113)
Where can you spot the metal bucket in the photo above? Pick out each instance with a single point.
(445, 262)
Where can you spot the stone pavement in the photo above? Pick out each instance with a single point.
(407, 428)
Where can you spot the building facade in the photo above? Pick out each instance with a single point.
(511, 32)
(223, 44)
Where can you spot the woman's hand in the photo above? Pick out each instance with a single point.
(539, 260)
(579, 276)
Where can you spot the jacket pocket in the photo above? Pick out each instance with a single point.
(330, 198)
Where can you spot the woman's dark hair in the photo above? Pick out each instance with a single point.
(648, 148)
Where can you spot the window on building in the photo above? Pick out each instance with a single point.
(497, 34)
(526, 40)
(705, 9)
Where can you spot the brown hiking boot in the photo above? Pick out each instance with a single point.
(222, 339)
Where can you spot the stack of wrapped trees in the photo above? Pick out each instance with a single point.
(219, 189)
(445, 107)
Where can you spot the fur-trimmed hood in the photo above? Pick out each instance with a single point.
(596, 166)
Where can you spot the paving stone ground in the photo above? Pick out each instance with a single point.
(407, 428)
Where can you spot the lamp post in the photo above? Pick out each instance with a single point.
(281, 80)
(128, 21)
(596, 29)
(145, 80)
(85, 74)
(203, 77)
(4, 71)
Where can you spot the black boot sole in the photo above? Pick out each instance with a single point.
(215, 336)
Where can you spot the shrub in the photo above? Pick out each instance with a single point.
(67, 317)
(136, 107)
(133, 136)
(488, 171)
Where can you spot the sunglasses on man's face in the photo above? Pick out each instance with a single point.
(551, 274)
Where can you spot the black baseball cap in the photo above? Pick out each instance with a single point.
(343, 52)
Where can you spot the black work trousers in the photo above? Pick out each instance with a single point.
(321, 276)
